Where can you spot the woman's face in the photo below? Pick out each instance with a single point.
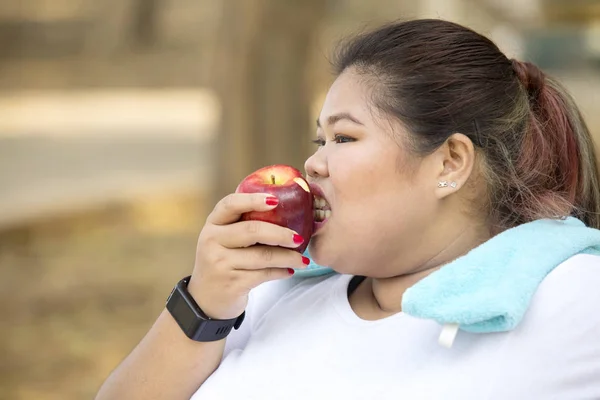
(381, 198)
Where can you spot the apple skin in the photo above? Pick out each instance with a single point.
(295, 208)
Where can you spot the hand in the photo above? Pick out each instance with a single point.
(235, 256)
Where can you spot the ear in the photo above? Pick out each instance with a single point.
(455, 160)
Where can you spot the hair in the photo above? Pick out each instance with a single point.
(439, 78)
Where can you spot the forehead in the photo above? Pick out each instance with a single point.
(353, 93)
(350, 94)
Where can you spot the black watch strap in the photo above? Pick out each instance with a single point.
(193, 321)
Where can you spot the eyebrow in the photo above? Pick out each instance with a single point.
(332, 119)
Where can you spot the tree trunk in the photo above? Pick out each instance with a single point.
(144, 24)
(263, 50)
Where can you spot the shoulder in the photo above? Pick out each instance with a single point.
(556, 344)
(564, 309)
(575, 279)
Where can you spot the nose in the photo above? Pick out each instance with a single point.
(316, 165)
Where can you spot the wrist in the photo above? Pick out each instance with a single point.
(194, 322)
(199, 295)
(213, 305)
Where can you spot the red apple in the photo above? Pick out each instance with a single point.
(295, 208)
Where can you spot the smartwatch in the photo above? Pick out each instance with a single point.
(193, 321)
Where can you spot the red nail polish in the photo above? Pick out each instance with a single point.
(272, 201)
(305, 260)
(290, 271)
(298, 239)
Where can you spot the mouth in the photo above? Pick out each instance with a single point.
(321, 208)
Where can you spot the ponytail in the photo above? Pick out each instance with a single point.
(557, 167)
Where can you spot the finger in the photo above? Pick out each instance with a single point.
(267, 257)
(249, 233)
(231, 207)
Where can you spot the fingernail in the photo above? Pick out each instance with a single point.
(305, 260)
(272, 201)
(298, 239)
(291, 271)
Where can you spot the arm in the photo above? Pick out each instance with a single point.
(164, 365)
(232, 258)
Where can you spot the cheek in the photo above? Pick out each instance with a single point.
(377, 200)
(357, 173)
(370, 183)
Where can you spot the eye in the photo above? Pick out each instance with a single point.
(320, 142)
(342, 139)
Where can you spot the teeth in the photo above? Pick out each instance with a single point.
(322, 215)
(319, 203)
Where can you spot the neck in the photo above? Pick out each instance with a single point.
(387, 292)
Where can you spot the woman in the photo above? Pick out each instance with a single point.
(459, 183)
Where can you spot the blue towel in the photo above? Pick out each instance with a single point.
(313, 269)
(490, 288)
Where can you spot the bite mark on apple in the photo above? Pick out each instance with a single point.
(302, 184)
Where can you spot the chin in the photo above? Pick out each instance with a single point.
(343, 261)
(323, 255)
(316, 251)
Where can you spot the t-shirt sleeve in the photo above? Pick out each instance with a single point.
(575, 339)
(560, 346)
(260, 300)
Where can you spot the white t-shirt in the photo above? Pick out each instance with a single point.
(302, 340)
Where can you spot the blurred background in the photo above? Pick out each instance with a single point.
(122, 122)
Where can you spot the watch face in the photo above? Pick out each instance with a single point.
(185, 315)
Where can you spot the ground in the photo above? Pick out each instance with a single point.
(78, 292)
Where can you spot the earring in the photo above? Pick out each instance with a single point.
(443, 184)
